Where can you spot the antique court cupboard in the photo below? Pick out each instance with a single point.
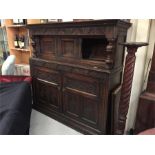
(77, 69)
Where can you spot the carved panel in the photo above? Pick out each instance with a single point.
(72, 103)
(47, 94)
(68, 47)
(82, 107)
(47, 47)
(90, 110)
(108, 31)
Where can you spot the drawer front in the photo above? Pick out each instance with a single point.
(83, 84)
(47, 75)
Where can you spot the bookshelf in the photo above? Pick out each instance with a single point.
(22, 54)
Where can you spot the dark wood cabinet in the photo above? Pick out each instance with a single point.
(76, 67)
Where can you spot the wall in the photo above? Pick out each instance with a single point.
(149, 51)
(142, 30)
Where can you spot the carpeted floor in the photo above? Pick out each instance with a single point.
(43, 125)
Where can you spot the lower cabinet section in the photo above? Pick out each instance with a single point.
(76, 100)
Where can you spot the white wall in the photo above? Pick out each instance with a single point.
(139, 32)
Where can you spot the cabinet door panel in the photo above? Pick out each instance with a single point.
(90, 111)
(83, 108)
(71, 103)
(81, 98)
(47, 95)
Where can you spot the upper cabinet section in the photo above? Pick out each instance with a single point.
(91, 42)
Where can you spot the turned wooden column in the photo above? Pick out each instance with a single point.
(127, 84)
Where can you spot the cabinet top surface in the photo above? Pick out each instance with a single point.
(103, 22)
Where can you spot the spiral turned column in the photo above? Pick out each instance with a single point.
(127, 84)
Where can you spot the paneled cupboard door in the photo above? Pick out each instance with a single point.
(47, 95)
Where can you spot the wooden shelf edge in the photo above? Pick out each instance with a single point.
(2, 26)
(22, 64)
(18, 49)
(16, 26)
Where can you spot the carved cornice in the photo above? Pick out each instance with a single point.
(96, 27)
(92, 23)
(107, 31)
